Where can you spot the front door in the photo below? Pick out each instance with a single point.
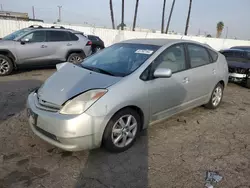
(34, 50)
(169, 95)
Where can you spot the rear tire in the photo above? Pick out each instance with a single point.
(76, 58)
(216, 97)
(6, 65)
(122, 130)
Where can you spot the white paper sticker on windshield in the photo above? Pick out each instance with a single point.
(140, 51)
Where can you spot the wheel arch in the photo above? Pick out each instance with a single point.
(74, 51)
(10, 55)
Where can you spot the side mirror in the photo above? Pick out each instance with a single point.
(162, 73)
(24, 40)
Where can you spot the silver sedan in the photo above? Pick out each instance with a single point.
(113, 95)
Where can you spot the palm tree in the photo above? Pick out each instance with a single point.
(135, 16)
(188, 17)
(122, 24)
(220, 27)
(170, 16)
(163, 16)
(112, 14)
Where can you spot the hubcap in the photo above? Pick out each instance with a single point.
(75, 59)
(124, 131)
(4, 66)
(217, 95)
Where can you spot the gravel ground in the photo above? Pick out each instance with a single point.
(174, 153)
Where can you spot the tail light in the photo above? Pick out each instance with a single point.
(89, 43)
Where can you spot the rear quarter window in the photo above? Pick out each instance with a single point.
(213, 54)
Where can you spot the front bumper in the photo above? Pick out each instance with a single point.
(236, 77)
(68, 132)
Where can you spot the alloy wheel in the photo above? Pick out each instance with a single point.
(217, 95)
(75, 59)
(124, 131)
(4, 66)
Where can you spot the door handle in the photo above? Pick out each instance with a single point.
(44, 46)
(214, 71)
(69, 44)
(185, 80)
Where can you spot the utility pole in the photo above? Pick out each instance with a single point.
(226, 31)
(122, 24)
(1, 7)
(59, 16)
(33, 11)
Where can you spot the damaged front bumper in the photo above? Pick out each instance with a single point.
(237, 77)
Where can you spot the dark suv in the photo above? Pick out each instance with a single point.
(40, 46)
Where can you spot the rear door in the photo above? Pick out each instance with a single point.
(35, 50)
(202, 74)
(59, 43)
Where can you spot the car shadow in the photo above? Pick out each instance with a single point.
(29, 69)
(126, 169)
(13, 96)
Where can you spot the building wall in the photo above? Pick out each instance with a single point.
(110, 36)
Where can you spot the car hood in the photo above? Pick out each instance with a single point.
(71, 80)
(6, 43)
(235, 64)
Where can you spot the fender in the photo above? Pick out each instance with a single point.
(74, 51)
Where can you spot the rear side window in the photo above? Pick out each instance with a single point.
(213, 54)
(73, 37)
(57, 36)
(198, 55)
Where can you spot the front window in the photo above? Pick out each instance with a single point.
(119, 59)
(16, 34)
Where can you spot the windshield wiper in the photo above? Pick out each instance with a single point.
(95, 69)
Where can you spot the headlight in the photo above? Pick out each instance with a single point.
(82, 102)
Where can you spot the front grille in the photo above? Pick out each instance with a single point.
(47, 134)
(47, 106)
(237, 70)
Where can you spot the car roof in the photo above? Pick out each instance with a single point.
(160, 41)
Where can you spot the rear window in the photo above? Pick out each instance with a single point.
(213, 54)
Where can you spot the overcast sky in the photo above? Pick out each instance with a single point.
(204, 16)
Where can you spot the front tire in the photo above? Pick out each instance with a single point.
(122, 130)
(216, 97)
(6, 65)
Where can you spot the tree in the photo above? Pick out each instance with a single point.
(122, 24)
(188, 17)
(112, 14)
(220, 27)
(163, 16)
(135, 16)
(170, 16)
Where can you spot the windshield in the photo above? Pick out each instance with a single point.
(237, 56)
(120, 59)
(16, 34)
